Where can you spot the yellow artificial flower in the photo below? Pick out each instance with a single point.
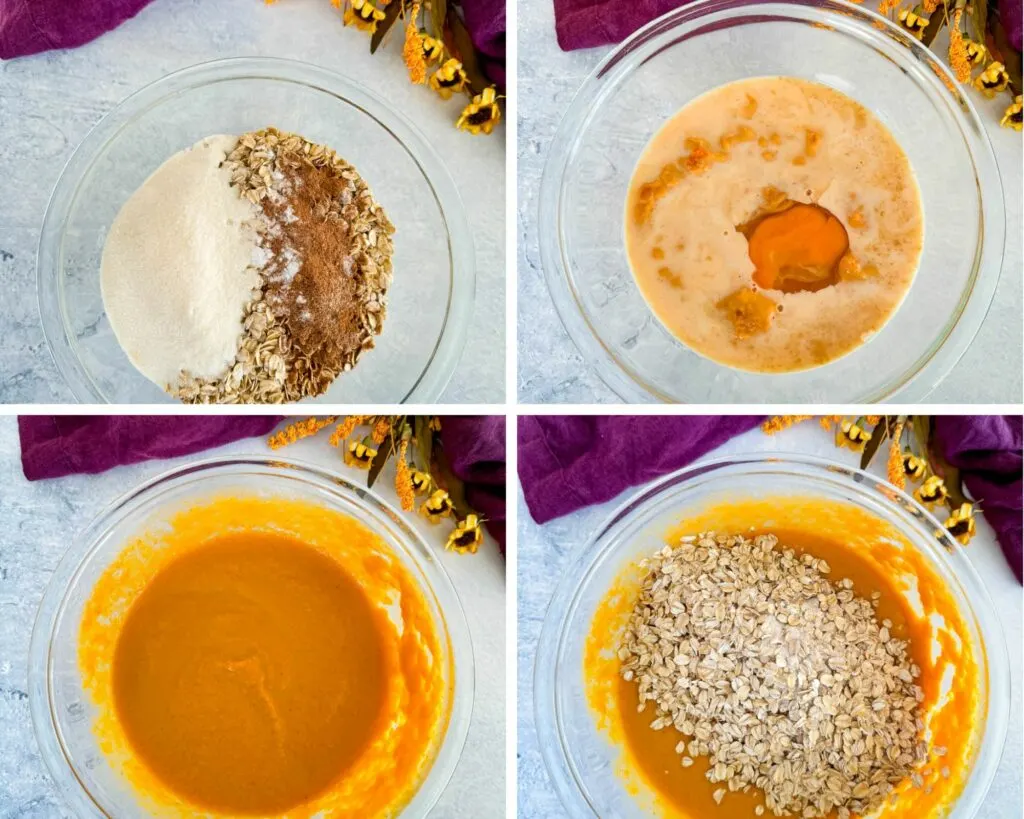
(976, 52)
(360, 454)
(437, 506)
(914, 468)
(913, 24)
(364, 15)
(1012, 115)
(421, 481)
(467, 536)
(932, 491)
(435, 423)
(448, 79)
(413, 51)
(993, 80)
(851, 436)
(482, 114)
(960, 524)
(433, 49)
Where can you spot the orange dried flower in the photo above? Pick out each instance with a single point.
(413, 51)
(346, 428)
(381, 430)
(403, 479)
(300, 429)
(827, 421)
(959, 61)
(781, 422)
(894, 466)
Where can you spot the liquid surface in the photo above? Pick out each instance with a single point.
(856, 546)
(782, 188)
(264, 656)
(249, 675)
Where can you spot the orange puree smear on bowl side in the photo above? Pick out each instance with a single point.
(265, 657)
(874, 556)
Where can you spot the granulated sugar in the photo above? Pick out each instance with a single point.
(179, 265)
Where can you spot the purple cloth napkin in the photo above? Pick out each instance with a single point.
(31, 26)
(987, 449)
(53, 446)
(566, 462)
(589, 23)
(475, 446)
(485, 20)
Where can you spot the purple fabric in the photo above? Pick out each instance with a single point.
(567, 462)
(589, 23)
(31, 26)
(53, 446)
(475, 446)
(987, 449)
(485, 20)
(1011, 12)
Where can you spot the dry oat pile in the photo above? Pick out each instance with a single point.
(325, 270)
(785, 679)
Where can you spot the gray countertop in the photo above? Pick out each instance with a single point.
(50, 101)
(551, 369)
(544, 551)
(39, 520)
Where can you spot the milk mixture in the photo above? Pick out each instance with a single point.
(773, 224)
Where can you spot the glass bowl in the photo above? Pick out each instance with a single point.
(582, 763)
(62, 712)
(704, 45)
(430, 300)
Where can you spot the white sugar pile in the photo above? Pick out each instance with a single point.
(177, 268)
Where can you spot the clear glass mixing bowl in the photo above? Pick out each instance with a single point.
(582, 763)
(62, 713)
(430, 300)
(706, 44)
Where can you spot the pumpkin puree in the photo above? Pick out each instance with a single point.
(877, 559)
(265, 657)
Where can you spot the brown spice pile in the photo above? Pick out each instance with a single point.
(326, 272)
(784, 679)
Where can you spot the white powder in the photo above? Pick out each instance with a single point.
(176, 268)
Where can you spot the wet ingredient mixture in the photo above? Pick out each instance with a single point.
(773, 224)
(261, 671)
(792, 678)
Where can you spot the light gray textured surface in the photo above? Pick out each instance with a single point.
(551, 370)
(543, 552)
(49, 102)
(40, 519)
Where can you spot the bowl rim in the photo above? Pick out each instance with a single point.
(438, 586)
(942, 355)
(444, 358)
(583, 559)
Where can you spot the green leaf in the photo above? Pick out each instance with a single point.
(424, 441)
(922, 429)
(391, 14)
(463, 48)
(387, 449)
(935, 24)
(979, 19)
(438, 13)
(878, 434)
(1006, 54)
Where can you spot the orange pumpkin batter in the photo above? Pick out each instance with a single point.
(857, 546)
(250, 662)
(797, 249)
